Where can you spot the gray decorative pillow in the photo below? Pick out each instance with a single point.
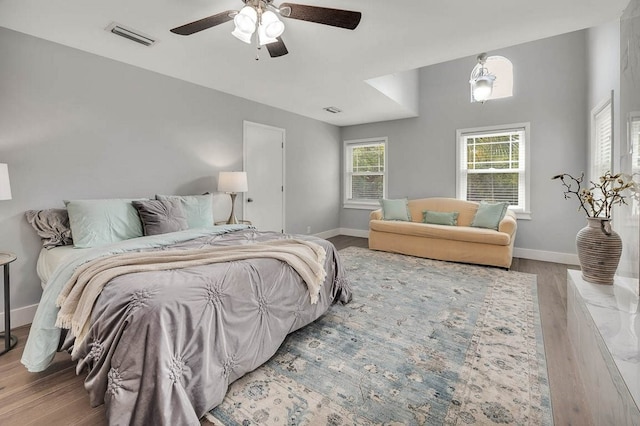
(161, 216)
(52, 225)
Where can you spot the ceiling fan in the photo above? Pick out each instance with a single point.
(261, 16)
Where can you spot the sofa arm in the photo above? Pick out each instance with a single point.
(376, 215)
(508, 224)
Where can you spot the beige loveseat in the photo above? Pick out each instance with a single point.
(461, 243)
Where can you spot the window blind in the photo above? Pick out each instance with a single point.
(603, 142)
(493, 166)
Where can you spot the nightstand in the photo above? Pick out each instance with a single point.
(9, 341)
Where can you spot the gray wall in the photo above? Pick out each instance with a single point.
(550, 77)
(74, 125)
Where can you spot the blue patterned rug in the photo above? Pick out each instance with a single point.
(422, 342)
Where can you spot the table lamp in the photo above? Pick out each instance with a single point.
(232, 183)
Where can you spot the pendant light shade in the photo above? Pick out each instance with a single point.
(482, 87)
(481, 81)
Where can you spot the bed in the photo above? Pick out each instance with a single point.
(161, 345)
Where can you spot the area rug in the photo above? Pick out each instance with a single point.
(422, 342)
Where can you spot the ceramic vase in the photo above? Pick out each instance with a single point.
(599, 249)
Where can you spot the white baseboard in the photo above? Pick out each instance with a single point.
(546, 256)
(328, 234)
(343, 231)
(20, 316)
(362, 233)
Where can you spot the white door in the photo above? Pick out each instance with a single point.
(264, 163)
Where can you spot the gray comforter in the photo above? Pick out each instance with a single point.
(163, 346)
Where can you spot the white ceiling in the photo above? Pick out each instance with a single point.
(326, 66)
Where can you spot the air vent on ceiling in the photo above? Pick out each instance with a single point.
(128, 33)
(332, 110)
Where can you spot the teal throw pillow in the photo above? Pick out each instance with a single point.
(489, 215)
(395, 209)
(100, 222)
(198, 209)
(440, 218)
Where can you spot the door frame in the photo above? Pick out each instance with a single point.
(247, 123)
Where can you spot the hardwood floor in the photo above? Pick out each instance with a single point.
(57, 396)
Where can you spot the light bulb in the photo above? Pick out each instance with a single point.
(273, 27)
(482, 87)
(246, 20)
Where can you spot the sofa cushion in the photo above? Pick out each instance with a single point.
(444, 232)
(395, 209)
(466, 209)
(489, 215)
(440, 218)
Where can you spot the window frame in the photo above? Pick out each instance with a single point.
(522, 211)
(363, 204)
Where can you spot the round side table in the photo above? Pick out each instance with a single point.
(9, 341)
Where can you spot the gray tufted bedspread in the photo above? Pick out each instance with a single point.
(164, 346)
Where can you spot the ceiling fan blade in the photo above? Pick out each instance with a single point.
(204, 23)
(323, 15)
(277, 49)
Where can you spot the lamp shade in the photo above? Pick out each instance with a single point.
(232, 182)
(5, 187)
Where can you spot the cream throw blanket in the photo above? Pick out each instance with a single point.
(79, 294)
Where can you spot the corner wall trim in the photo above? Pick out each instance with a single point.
(20, 316)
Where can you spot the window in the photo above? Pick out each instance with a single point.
(365, 172)
(601, 139)
(493, 166)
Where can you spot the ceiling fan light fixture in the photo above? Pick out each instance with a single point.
(263, 17)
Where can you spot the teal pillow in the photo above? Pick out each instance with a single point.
(489, 215)
(395, 209)
(100, 222)
(198, 209)
(440, 218)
